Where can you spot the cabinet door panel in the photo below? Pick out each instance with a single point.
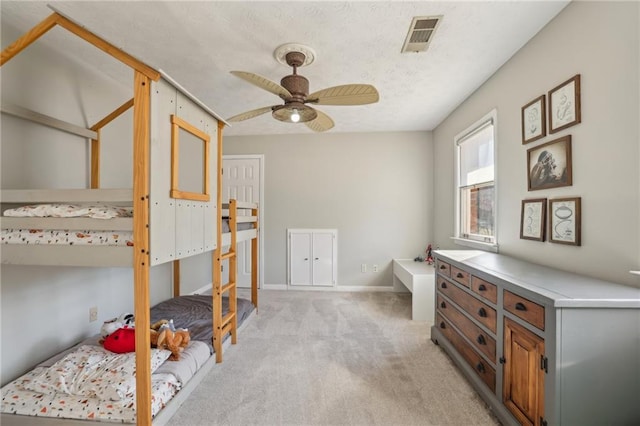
(300, 259)
(323, 258)
(523, 390)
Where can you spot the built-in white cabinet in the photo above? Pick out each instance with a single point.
(312, 255)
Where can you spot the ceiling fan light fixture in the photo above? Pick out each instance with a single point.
(294, 113)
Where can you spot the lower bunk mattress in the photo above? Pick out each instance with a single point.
(87, 382)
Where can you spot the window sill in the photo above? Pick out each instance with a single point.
(478, 245)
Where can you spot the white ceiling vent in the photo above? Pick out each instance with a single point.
(421, 33)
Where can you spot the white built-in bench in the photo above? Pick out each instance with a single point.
(419, 278)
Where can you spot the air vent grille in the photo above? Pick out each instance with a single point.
(420, 33)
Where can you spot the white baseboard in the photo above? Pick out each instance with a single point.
(328, 288)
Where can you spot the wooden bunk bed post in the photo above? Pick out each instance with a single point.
(141, 260)
(254, 261)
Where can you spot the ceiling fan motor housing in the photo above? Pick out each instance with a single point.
(297, 85)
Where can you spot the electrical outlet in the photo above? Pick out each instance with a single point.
(375, 268)
(93, 314)
(363, 268)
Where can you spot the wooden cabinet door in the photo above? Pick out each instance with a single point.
(523, 390)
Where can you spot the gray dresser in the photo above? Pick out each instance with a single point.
(541, 346)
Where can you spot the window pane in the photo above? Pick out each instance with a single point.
(477, 212)
(476, 157)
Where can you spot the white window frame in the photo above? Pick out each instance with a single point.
(458, 239)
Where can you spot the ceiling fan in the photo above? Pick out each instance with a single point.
(294, 91)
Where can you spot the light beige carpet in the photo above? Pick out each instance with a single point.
(334, 358)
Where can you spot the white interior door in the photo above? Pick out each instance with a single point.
(242, 180)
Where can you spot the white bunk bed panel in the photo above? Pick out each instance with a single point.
(178, 228)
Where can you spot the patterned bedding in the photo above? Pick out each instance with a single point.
(88, 382)
(76, 237)
(66, 237)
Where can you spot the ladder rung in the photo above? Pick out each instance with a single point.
(227, 255)
(226, 320)
(227, 287)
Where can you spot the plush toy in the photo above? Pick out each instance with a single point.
(173, 340)
(121, 341)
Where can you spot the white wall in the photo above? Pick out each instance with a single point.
(46, 309)
(374, 188)
(600, 41)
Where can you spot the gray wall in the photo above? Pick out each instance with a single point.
(374, 188)
(600, 41)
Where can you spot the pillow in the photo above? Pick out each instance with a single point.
(92, 371)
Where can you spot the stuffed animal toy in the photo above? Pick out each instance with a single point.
(127, 319)
(175, 341)
(121, 341)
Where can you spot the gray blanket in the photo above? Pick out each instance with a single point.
(195, 313)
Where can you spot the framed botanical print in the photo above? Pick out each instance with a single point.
(565, 221)
(534, 124)
(564, 105)
(532, 219)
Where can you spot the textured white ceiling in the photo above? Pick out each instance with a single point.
(198, 43)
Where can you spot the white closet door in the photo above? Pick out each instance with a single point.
(241, 180)
(300, 258)
(323, 258)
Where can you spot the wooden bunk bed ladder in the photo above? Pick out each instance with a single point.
(229, 323)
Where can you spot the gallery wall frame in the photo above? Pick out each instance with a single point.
(533, 219)
(534, 116)
(549, 164)
(564, 105)
(565, 221)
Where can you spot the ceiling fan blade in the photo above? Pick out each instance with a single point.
(321, 123)
(249, 114)
(263, 83)
(348, 94)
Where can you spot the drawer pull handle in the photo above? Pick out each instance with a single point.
(481, 340)
(460, 275)
(520, 307)
(481, 287)
(480, 367)
(443, 305)
(443, 267)
(442, 325)
(482, 312)
(443, 284)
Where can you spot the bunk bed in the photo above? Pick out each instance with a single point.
(156, 207)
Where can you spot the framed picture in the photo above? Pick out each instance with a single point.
(549, 164)
(532, 219)
(564, 221)
(564, 105)
(534, 125)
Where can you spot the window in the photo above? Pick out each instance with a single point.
(475, 184)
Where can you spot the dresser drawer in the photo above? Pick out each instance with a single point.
(482, 368)
(484, 289)
(525, 309)
(480, 311)
(463, 277)
(480, 339)
(443, 268)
